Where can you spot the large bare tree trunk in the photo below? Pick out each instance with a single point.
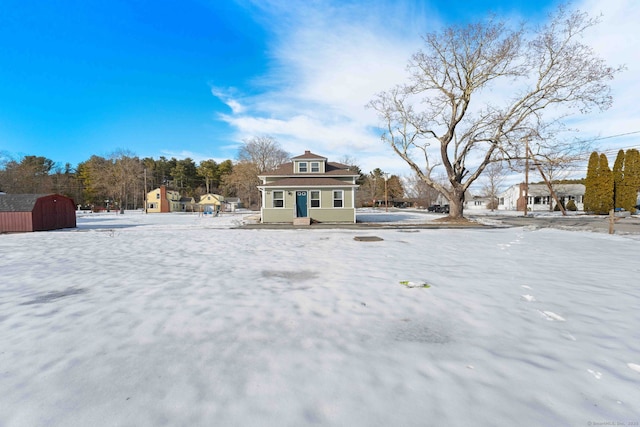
(456, 204)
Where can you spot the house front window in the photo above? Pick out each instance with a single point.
(315, 167)
(278, 199)
(315, 198)
(302, 167)
(338, 198)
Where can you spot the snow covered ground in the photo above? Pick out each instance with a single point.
(182, 320)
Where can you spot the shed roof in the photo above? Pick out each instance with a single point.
(19, 202)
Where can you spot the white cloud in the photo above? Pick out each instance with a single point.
(328, 62)
(227, 97)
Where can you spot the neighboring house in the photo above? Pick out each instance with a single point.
(188, 204)
(308, 187)
(162, 200)
(477, 202)
(232, 203)
(539, 198)
(36, 212)
(211, 203)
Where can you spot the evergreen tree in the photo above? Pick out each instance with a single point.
(604, 187)
(590, 183)
(631, 179)
(619, 189)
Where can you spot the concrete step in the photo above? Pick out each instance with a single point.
(302, 221)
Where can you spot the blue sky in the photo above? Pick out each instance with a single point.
(194, 78)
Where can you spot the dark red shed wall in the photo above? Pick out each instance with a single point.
(54, 212)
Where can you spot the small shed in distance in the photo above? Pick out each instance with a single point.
(36, 212)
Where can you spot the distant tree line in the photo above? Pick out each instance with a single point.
(121, 179)
(607, 189)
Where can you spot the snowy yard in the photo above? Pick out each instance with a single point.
(181, 320)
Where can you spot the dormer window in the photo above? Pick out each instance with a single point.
(302, 167)
(315, 167)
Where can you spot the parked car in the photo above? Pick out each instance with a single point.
(439, 208)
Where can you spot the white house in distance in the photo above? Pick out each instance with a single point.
(308, 188)
(539, 197)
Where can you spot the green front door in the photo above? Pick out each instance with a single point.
(301, 204)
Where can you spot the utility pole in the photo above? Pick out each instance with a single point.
(526, 178)
(386, 198)
(145, 190)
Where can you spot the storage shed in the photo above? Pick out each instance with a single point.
(36, 212)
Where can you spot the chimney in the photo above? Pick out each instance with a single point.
(307, 152)
(164, 202)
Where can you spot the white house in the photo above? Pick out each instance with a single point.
(538, 197)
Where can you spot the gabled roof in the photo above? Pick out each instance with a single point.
(331, 168)
(19, 202)
(310, 156)
(559, 189)
(308, 182)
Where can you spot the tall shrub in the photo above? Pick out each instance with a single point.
(604, 186)
(590, 199)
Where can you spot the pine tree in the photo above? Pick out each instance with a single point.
(590, 183)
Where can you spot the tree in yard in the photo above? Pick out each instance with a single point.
(626, 177)
(243, 182)
(590, 200)
(373, 187)
(264, 152)
(32, 174)
(118, 179)
(452, 100)
(417, 189)
(618, 180)
(604, 188)
(208, 169)
(127, 176)
(599, 185)
(632, 168)
(184, 174)
(494, 177)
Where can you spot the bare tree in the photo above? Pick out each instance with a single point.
(494, 176)
(127, 174)
(264, 152)
(243, 182)
(416, 188)
(452, 98)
